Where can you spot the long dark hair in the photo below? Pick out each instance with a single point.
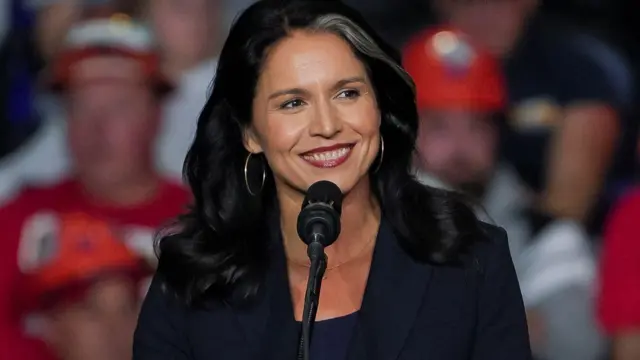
(218, 249)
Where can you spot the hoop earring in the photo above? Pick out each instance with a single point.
(246, 176)
(381, 154)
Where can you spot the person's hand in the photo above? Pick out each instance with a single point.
(626, 346)
(101, 327)
(91, 339)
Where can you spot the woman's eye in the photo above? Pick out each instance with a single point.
(292, 104)
(349, 94)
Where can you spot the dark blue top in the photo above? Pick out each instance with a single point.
(330, 338)
(553, 68)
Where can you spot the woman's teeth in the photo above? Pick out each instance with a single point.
(327, 155)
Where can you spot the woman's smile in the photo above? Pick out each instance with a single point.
(328, 156)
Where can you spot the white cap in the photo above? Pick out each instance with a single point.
(89, 43)
(118, 31)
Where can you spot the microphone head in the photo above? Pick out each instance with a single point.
(324, 191)
(319, 219)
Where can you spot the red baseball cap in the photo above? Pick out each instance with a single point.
(64, 254)
(451, 72)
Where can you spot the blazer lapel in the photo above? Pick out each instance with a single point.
(282, 332)
(270, 327)
(253, 321)
(395, 290)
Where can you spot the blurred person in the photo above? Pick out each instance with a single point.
(32, 127)
(461, 97)
(109, 78)
(619, 298)
(84, 283)
(565, 107)
(397, 21)
(188, 33)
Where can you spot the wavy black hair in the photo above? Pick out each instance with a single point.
(218, 249)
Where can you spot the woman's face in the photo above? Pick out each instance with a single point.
(315, 115)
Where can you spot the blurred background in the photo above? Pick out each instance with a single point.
(528, 106)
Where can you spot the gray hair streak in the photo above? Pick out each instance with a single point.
(359, 39)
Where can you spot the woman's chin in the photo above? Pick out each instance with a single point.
(346, 179)
(346, 182)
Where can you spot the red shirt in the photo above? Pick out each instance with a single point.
(137, 224)
(619, 301)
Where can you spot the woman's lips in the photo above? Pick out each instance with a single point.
(328, 157)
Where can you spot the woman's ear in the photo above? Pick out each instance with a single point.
(251, 140)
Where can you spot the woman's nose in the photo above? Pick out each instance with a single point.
(325, 122)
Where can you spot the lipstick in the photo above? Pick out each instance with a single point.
(328, 156)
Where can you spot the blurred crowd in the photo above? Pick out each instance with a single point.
(528, 108)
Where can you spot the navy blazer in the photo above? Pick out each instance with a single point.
(410, 311)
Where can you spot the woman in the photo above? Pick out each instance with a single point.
(306, 91)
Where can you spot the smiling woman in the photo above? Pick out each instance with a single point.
(314, 110)
(306, 91)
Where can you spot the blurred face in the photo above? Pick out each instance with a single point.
(112, 124)
(458, 148)
(315, 115)
(185, 27)
(99, 328)
(497, 24)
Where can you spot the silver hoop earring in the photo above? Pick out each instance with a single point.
(381, 154)
(246, 176)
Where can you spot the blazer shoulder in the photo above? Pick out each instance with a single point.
(161, 330)
(501, 328)
(493, 245)
(494, 234)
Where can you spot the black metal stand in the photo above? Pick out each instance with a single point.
(312, 296)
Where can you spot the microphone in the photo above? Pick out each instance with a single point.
(318, 226)
(319, 219)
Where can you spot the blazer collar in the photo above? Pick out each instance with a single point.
(270, 327)
(395, 290)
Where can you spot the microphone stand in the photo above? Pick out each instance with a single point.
(318, 258)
